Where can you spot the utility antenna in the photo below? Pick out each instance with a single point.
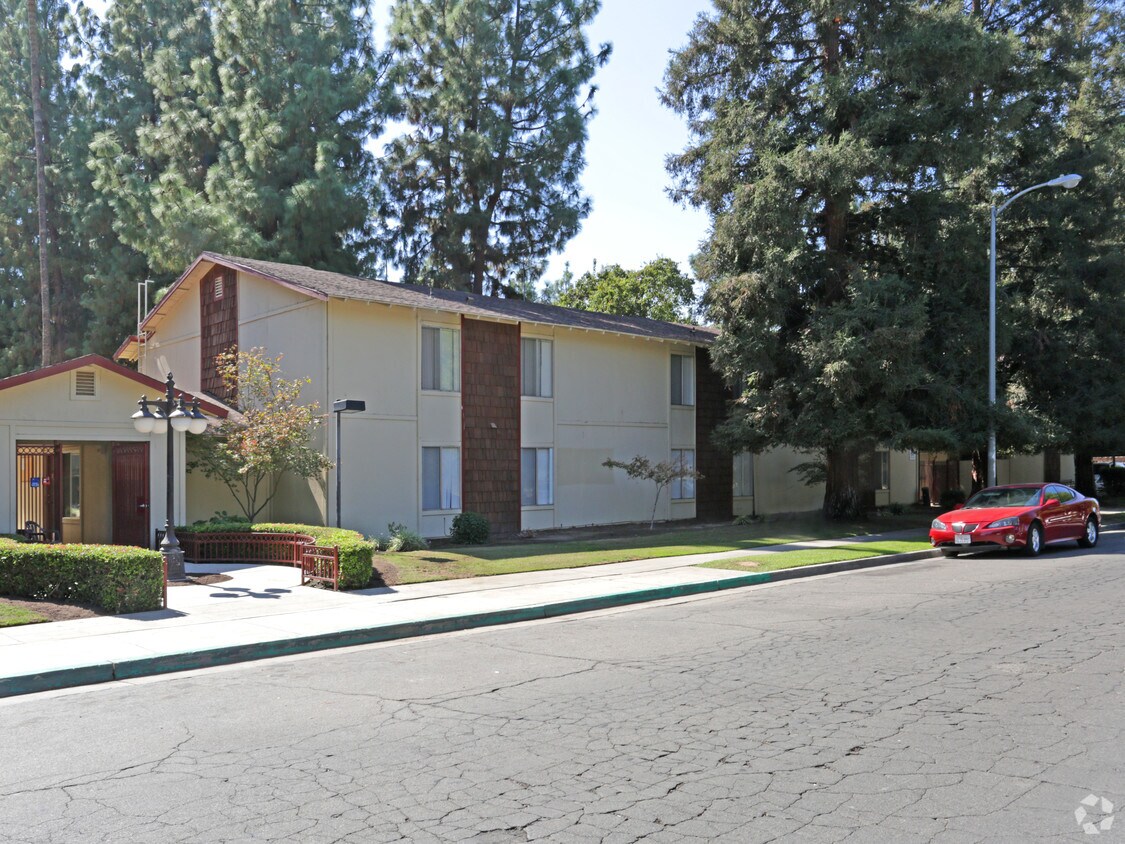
(142, 312)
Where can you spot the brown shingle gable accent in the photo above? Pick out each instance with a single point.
(490, 422)
(218, 328)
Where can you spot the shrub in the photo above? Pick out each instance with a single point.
(114, 578)
(470, 528)
(950, 497)
(895, 508)
(405, 539)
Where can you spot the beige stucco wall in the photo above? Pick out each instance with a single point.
(612, 400)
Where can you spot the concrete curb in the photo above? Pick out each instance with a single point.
(169, 663)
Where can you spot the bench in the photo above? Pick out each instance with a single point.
(319, 563)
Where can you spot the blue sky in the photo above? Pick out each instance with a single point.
(633, 220)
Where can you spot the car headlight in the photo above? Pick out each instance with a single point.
(938, 524)
(1011, 521)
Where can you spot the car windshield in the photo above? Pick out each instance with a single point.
(1017, 496)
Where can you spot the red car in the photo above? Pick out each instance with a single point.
(1023, 516)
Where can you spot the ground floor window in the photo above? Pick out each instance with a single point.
(683, 488)
(72, 485)
(743, 474)
(883, 467)
(537, 476)
(441, 478)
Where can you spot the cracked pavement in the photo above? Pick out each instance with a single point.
(968, 700)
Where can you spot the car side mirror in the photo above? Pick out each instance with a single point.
(1051, 502)
(958, 505)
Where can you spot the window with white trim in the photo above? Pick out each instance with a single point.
(683, 380)
(535, 367)
(744, 474)
(441, 478)
(883, 465)
(683, 488)
(72, 485)
(537, 476)
(441, 359)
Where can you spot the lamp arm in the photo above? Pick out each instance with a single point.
(1012, 199)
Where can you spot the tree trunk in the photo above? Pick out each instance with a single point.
(980, 471)
(39, 129)
(842, 496)
(1084, 473)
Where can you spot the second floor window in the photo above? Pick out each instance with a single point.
(683, 380)
(535, 365)
(441, 359)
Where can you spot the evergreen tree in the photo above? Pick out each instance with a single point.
(40, 191)
(1065, 254)
(847, 155)
(483, 185)
(822, 136)
(238, 127)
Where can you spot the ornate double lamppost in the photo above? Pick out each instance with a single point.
(165, 416)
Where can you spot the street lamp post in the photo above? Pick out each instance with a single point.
(339, 407)
(165, 416)
(1069, 181)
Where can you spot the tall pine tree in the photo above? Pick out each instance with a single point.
(237, 126)
(484, 184)
(824, 138)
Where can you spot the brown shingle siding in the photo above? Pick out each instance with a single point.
(714, 493)
(490, 422)
(218, 328)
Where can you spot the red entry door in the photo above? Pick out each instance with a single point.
(130, 494)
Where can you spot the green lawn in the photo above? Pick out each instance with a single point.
(12, 616)
(816, 556)
(537, 555)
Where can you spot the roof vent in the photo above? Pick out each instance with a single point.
(85, 384)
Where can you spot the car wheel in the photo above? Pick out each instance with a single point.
(1034, 540)
(1090, 536)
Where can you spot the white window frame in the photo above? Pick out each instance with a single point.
(543, 358)
(543, 484)
(683, 489)
(72, 485)
(883, 466)
(448, 342)
(448, 478)
(742, 470)
(683, 388)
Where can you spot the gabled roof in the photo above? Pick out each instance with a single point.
(321, 284)
(150, 384)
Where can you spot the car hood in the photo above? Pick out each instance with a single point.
(985, 515)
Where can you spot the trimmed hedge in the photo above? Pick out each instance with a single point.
(114, 578)
(355, 551)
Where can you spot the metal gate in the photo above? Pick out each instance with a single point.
(39, 487)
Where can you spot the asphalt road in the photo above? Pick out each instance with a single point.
(976, 699)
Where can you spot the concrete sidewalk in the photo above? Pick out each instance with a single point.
(263, 611)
